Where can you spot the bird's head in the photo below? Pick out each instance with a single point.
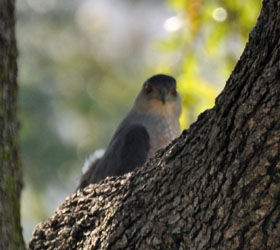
(159, 95)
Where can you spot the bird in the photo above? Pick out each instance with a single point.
(151, 124)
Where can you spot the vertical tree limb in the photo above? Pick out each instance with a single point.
(10, 169)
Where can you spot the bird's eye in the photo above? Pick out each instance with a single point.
(148, 89)
(174, 92)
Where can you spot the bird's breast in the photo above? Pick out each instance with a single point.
(162, 133)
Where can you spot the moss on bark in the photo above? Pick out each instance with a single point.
(10, 170)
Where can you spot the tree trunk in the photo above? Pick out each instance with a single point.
(10, 171)
(216, 187)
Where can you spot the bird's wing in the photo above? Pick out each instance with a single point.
(128, 149)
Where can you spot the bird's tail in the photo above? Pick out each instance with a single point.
(89, 167)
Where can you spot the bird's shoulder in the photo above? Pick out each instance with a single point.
(131, 132)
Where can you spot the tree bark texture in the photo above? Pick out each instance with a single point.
(10, 171)
(215, 187)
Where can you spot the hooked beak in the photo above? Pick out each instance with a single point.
(164, 94)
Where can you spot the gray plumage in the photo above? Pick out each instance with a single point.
(152, 123)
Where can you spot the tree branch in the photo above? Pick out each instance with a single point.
(217, 186)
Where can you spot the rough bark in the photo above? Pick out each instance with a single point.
(10, 171)
(216, 187)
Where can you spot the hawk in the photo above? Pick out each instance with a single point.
(151, 124)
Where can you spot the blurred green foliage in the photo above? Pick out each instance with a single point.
(82, 64)
(208, 43)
